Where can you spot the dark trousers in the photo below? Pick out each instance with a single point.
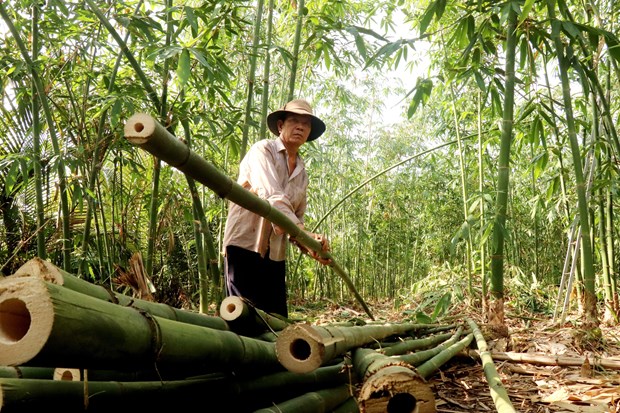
(259, 280)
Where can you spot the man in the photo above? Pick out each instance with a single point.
(254, 248)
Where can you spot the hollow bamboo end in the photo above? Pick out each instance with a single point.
(66, 374)
(26, 319)
(37, 267)
(299, 349)
(232, 308)
(139, 128)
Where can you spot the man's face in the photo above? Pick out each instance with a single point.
(295, 129)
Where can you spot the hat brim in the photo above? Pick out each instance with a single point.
(317, 125)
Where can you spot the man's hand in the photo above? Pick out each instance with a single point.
(325, 247)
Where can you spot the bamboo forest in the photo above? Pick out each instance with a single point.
(467, 182)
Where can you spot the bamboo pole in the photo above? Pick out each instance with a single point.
(553, 360)
(323, 400)
(21, 372)
(498, 392)
(245, 319)
(36, 267)
(348, 406)
(390, 385)
(43, 324)
(146, 132)
(429, 367)
(40, 395)
(419, 357)
(302, 347)
(417, 344)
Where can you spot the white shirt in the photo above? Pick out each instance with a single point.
(264, 171)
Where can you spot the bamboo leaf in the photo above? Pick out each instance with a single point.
(184, 68)
(427, 17)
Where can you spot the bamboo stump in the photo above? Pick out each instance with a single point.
(396, 389)
(390, 385)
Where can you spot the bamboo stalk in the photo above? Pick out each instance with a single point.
(498, 392)
(348, 406)
(419, 357)
(417, 344)
(302, 347)
(429, 367)
(390, 385)
(554, 360)
(21, 372)
(147, 133)
(317, 401)
(36, 267)
(248, 320)
(39, 395)
(46, 325)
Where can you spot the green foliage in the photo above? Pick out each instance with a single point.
(387, 194)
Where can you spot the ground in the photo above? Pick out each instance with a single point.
(534, 386)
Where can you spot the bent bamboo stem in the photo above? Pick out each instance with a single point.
(147, 133)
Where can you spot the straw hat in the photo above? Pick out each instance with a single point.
(300, 107)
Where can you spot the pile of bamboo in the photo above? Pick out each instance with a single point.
(67, 343)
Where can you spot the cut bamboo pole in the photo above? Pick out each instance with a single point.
(78, 374)
(324, 400)
(39, 395)
(348, 406)
(302, 347)
(247, 320)
(429, 367)
(43, 324)
(390, 385)
(552, 360)
(36, 267)
(498, 392)
(21, 372)
(417, 344)
(146, 132)
(420, 357)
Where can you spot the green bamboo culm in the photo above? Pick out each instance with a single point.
(498, 392)
(60, 163)
(266, 72)
(251, 77)
(429, 367)
(36, 139)
(501, 201)
(105, 335)
(591, 316)
(321, 400)
(418, 344)
(301, 8)
(96, 165)
(45, 270)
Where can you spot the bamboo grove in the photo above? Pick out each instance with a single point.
(471, 149)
